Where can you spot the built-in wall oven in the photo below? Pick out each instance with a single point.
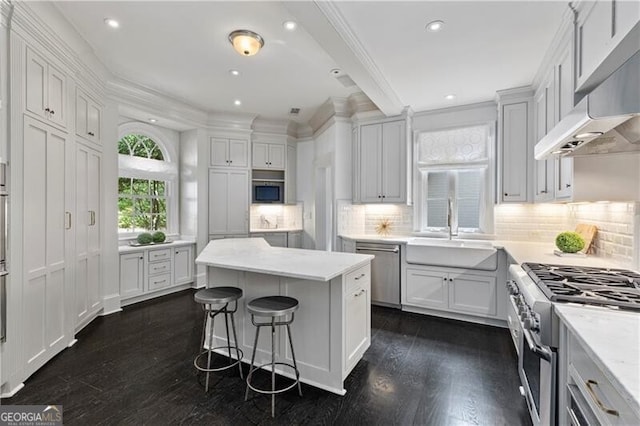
(4, 194)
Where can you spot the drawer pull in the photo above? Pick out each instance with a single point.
(358, 294)
(359, 276)
(160, 282)
(590, 384)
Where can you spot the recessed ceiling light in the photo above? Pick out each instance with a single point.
(450, 97)
(435, 26)
(234, 73)
(237, 102)
(335, 71)
(587, 135)
(153, 120)
(111, 22)
(289, 25)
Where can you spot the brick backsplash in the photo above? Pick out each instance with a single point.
(268, 216)
(530, 222)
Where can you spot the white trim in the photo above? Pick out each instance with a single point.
(12, 392)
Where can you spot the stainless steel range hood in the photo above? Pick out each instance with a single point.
(607, 107)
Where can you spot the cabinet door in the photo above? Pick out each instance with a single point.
(219, 155)
(218, 200)
(82, 109)
(356, 323)
(57, 96)
(564, 178)
(427, 289)
(278, 239)
(594, 33)
(94, 119)
(294, 240)
(394, 177)
(36, 84)
(131, 274)
(370, 163)
(238, 153)
(475, 294)
(543, 168)
(94, 241)
(564, 102)
(47, 290)
(276, 156)
(260, 153)
(183, 265)
(515, 130)
(290, 175)
(238, 202)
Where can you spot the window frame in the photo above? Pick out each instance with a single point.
(144, 168)
(487, 196)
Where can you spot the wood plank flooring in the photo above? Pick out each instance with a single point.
(136, 367)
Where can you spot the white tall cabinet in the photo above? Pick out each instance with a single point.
(228, 201)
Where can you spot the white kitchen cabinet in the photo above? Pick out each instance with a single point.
(229, 153)
(514, 135)
(381, 163)
(357, 314)
(159, 270)
(183, 265)
(564, 92)
(45, 90)
(294, 239)
(88, 251)
(290, 175)
(228, 201)
(544, 102)
(46, 314)
(602, 27)
(275, 239)
(348, 246)
(131, 274)
(451, 290)
(88, 117)
(268, 155)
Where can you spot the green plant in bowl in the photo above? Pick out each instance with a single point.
(145, 238)
(569, 242)
(159, 237)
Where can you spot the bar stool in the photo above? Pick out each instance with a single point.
(208, 298)
(272, 306)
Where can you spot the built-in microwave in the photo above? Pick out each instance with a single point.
(267, 192)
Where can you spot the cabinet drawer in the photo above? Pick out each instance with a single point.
(361, 277)
(159, 281)
(604, 400)
(157, 255)
(159, 267)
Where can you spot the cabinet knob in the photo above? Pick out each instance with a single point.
(90, 134)
(141, 257)
(543, 192)
(379, 196)
(568, 185)
(384, 196)
(47, 110)
(450, 279)
(506, 195)
(52, 112)
(230, 161)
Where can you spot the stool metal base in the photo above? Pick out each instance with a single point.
(239, 356)
(274, 391)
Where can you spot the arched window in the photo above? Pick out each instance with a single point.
(144, 201)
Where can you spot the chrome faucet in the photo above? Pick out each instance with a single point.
(450, 219)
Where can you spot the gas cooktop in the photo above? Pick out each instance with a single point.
(587, 285)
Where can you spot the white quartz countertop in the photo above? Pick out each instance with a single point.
(256, 255)
(612, 340)
(268, 230)
(176, 243)
(519, 251)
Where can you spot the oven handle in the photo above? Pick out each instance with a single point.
(535, 346)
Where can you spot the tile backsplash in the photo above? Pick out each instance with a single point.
(275, 216)
(617, 223)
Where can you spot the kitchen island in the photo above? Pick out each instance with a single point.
(332, 327)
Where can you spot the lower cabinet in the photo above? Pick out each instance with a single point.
(357, 302)
(281, 239)
(451, 290)
(152, 269)
(294, 239)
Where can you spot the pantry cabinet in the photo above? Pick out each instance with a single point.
(88, 117)
(45, 90)
(268, 155)
(381, 163)
(228, 201)
(225, 152)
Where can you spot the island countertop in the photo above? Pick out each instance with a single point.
(256, 255)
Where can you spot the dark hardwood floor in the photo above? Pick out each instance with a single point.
(136, 367)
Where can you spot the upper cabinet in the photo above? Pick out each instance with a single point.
(268, 156)
(544, 112)
(514, 141)
(88, 117)
(607, 34)
(45, 90)
(229, 153)
(381, 163)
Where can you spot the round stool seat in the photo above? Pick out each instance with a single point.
(217, 295)
(272, 306)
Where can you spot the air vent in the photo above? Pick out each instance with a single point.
(294, 111)
(346, 81)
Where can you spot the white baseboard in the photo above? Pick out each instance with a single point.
(111, 304)
(12, 392)
(153, 295)
(71, 343)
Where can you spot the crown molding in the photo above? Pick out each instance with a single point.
(5, 12)
(459, 108)
(271, 126)
(522, 92)
(219, 120)
(27, 24)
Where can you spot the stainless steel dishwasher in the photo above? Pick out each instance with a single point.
(385, 272)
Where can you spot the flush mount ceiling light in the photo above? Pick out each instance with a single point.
(434, 26)
(450, 97)
(289, 25)
(335, 71)
(237, 102)
(234, 73)
(153, 120)
(245, 42)
(587, 135)
(111, 22)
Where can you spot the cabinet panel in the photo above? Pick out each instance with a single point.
(370, 163)
(394, 176)
(238, 153)
(131, 274)
(159, 255)
(357, 304)
(260, 153)
(427, 288)
(594, 33)
(294, 240)
(218, 194)
(183, 265)
(35, 83)
(56, 96)
(475, 294)
(515, 130)
(159, 267)
(290, 176)
(159, 281)
(276, 156)
(238, 203)
(94, 120)
(219, 152)
(274, 239)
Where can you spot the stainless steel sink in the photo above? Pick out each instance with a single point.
(468, 254)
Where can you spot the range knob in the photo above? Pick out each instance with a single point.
(525, 316)
(534, 324)
(512, 288)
